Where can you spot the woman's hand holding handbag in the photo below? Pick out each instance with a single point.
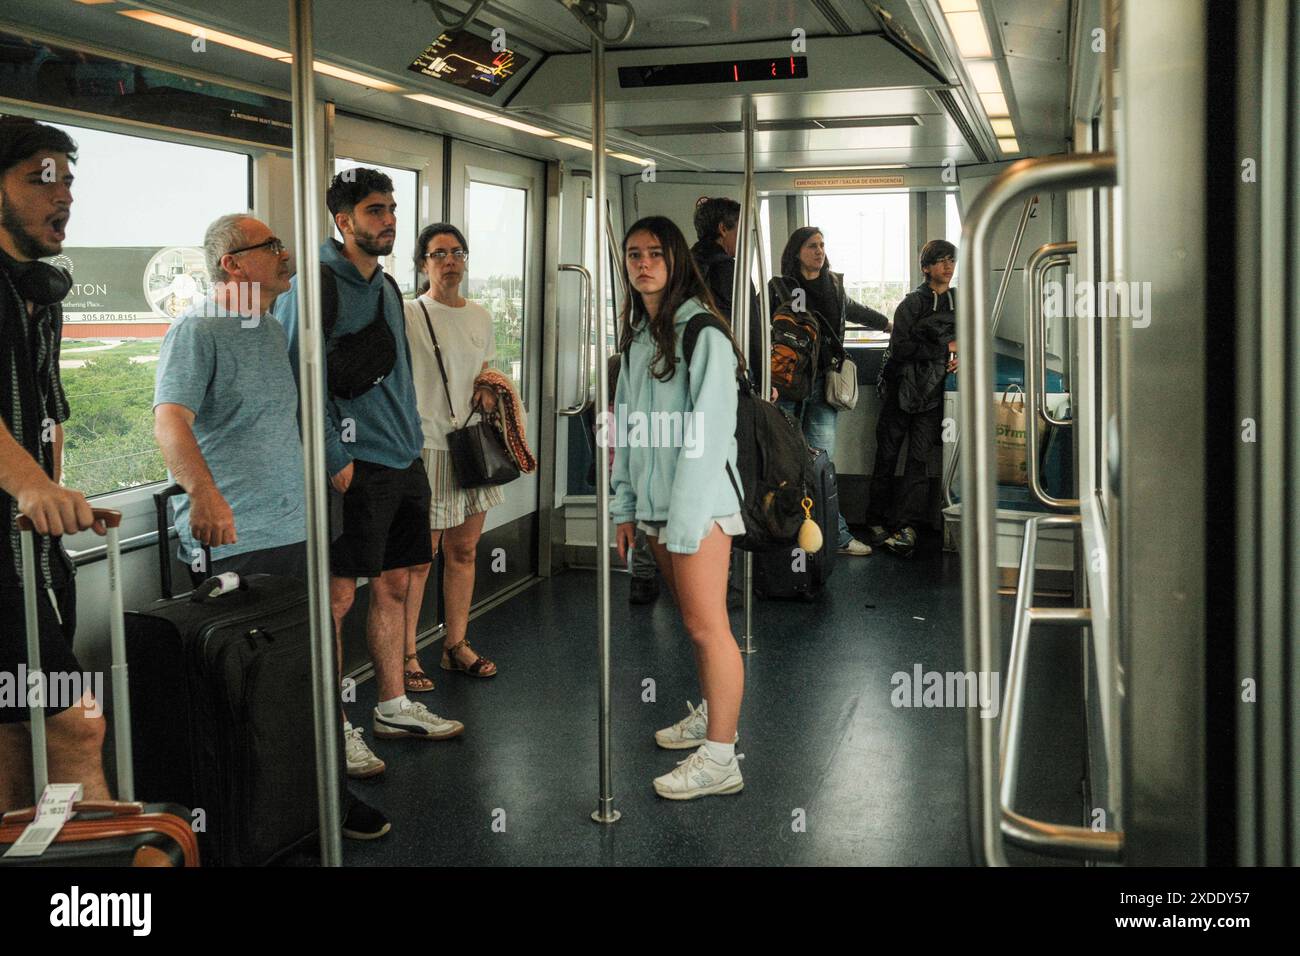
(479, 456)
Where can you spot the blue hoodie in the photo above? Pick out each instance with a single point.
(682, 482)
(386, 418)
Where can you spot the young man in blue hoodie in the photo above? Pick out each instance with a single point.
(372, 450)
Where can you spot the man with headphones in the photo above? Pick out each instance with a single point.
(35, 203)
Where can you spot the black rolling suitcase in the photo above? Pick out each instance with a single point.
(227, 719)
(783, 573)
(107, 832)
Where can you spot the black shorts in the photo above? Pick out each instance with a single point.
(385, 521)
(56, 648)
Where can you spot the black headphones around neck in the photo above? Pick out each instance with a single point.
(37, 281)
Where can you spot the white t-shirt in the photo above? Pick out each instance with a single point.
(466, 340)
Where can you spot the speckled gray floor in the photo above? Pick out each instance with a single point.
(873, 783)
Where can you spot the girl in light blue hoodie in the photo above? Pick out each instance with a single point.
(673, 433)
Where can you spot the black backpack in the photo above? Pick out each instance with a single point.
(771, 455)
(359, 361)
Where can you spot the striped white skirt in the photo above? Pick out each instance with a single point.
(449, 503)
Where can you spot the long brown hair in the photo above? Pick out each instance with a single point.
(791, 268)
(684, 282)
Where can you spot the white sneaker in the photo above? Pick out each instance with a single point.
(699, 776)
(687, 732)
(362, 761)
(416, 720)
(856, 548)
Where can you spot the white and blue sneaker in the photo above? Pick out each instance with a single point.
(416, 721)
(699, 776)
(687, 732)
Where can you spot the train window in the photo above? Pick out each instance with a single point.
(497, 226)
(867, 238)
(400, 264)
(135, 252)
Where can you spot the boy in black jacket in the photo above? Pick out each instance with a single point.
(922, 349)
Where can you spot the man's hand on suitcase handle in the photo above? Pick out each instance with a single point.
(55, 510)
(212, 523)
(101, 520)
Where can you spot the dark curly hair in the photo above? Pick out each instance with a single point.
(22, 138)
(353, 185)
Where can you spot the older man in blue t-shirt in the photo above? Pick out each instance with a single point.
(225, 405)
(226, 418)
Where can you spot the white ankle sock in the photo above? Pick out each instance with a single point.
(720, 753)
(347, 725)
(390, 708)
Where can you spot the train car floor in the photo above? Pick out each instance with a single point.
(841, 766)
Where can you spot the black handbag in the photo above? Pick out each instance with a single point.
(479, 456)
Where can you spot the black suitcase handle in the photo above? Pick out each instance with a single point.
(160, 500)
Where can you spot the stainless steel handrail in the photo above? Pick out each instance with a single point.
(1056, 839)
(450, 23)
(1043, 258)
(584, 355)
(1004, 283)
(311, 377)
(604, 812)
(1025, 215)
(593, 13)
(978, 471)
(1048, 256)
(740, 306)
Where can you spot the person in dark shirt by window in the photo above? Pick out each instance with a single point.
(35, 205)
(922, 350)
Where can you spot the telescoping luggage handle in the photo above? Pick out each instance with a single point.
(164, 549)
(117, 634)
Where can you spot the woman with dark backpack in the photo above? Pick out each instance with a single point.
(922, 351)
(806, 275)
(677, 491)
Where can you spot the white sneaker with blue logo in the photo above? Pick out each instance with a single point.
(699, 776)
(687, 732)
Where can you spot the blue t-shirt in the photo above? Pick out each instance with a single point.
(235, 376)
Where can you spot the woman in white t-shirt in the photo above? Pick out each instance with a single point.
(466, 341)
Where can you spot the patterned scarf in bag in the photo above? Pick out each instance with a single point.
(510, 417)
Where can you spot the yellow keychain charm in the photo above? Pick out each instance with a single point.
(810, 534)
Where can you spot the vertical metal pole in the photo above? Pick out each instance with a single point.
(36, 715)
(745, 249)
(604, 812)
(122, 752)
(306, 194)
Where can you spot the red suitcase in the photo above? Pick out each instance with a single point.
(100, 833)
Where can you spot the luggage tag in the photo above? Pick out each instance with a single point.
(53, 811)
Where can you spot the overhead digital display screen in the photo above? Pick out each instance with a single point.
(720, 71)
(468, 61)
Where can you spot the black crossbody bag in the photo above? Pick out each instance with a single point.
(479, 457)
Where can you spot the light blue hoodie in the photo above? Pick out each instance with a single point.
(387, 420)
(685, 483)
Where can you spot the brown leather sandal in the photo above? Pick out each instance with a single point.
(449, 663)
(417, 682)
